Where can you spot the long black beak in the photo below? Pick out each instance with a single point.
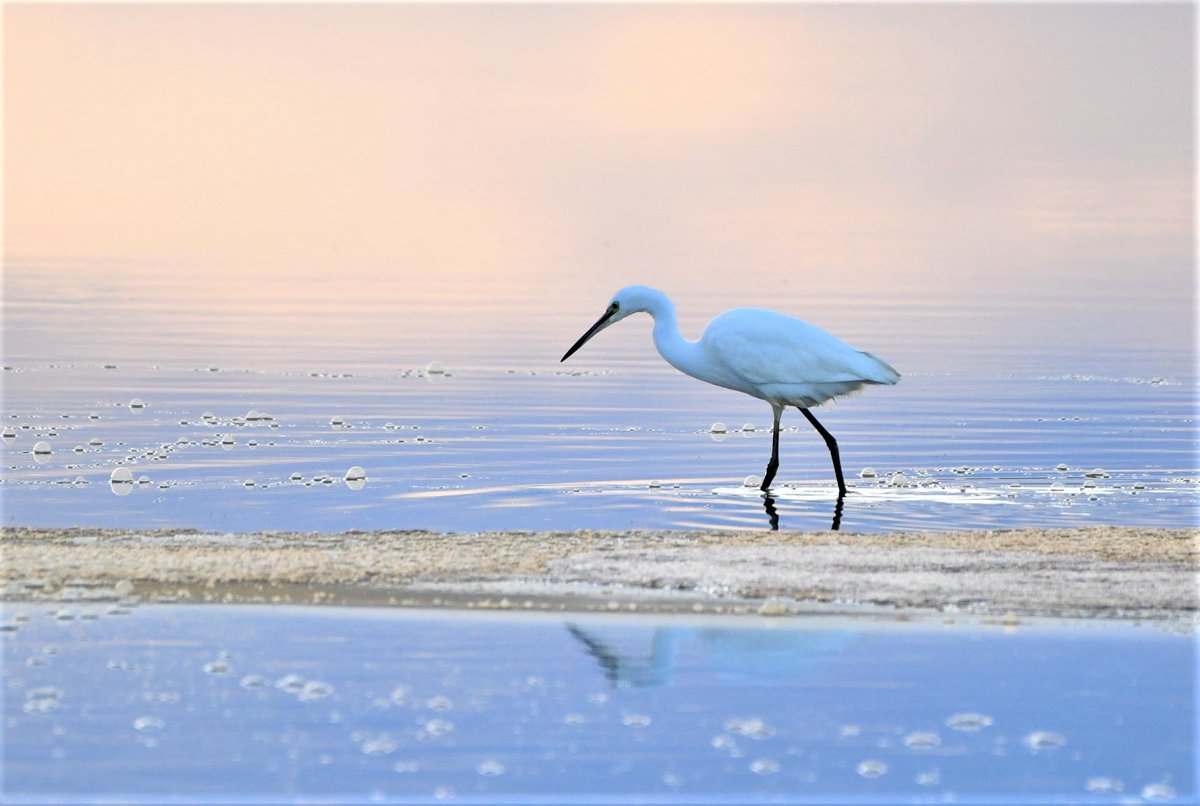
(601, 323)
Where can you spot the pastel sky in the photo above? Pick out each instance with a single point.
(586, 145)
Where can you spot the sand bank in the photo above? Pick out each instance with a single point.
(1093, 572)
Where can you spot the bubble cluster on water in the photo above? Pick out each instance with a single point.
(147, 724)
(636, 720)
(922, 740)
(490, 767)
(1040, 740)
(43, 700)
(871, 768)
(751, 727)
(1159, 791)
(968, 721)
(436, 728)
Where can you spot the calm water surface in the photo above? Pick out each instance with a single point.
(460, 416)
(160, 703)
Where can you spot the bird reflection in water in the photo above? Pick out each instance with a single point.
(773, 513)
(640, 658)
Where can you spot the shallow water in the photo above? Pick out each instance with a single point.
(505, 437)
(387, 705)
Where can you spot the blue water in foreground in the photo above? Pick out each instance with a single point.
(161, 703)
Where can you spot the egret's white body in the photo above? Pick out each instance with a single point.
(766, 354)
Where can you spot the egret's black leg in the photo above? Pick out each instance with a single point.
(830, 443)
(773, 465)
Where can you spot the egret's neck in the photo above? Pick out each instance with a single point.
(678, 351)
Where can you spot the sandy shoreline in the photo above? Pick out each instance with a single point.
(1094, 572)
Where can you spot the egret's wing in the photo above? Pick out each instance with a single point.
(766, 347)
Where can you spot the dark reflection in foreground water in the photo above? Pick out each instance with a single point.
(213, 703)
(773, 513)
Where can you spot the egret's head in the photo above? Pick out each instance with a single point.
(629, 300)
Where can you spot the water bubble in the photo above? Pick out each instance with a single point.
(1089, 483)
(968, 721)
(355, 478)
(1043, 740)
(137, 404)
(314, 690)
(439, 703)
(379, 745)
(121, 481)
(208, 415)
(867, 473)
(748, 428)
(751, 481)
(41, 452)
(143, 479)
(337, 422)
(219, 666)
(296, 477)
(717, 428)
(897, 480)
(1057, 487)
(922, 740)
(226, 442)
(1158, 792)
(438, 727)
(291, 683)
(1139, 485)
(8, 434)
(751, 727)
(490, 767)
(80, 480)
(871, 768)
(636, 720)
(148, 724)
(43, 700)
(1095, 473)
(1104, 786)
(723, 741)
(1061, 466)
(764, 766)
(655, 484)
(248, 483)
(435, 368)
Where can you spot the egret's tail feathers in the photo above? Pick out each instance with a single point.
(878, 370)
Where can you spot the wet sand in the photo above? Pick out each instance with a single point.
(1095, 572)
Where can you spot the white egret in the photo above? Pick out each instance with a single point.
(769, 355)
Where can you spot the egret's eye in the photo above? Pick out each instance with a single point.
(614, 307)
